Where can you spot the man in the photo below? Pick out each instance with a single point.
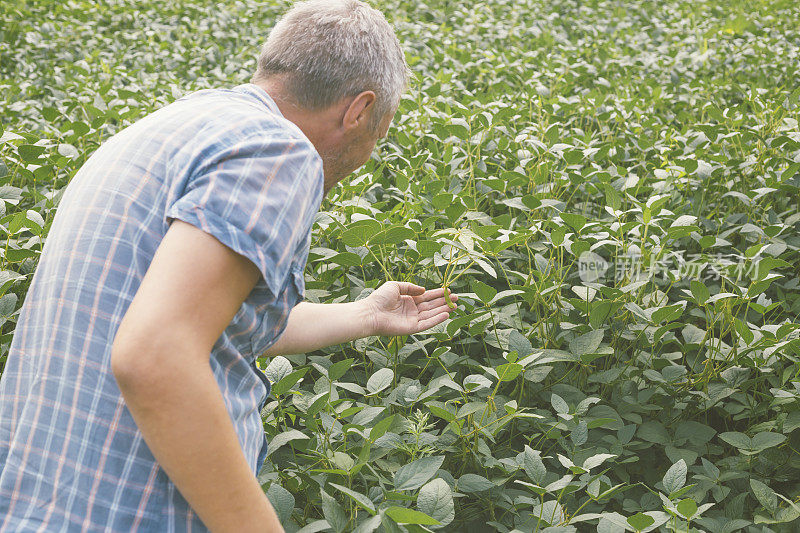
(130, 399)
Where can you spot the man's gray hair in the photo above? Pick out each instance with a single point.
(331, 49)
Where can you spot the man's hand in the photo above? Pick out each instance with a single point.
(395, 308)
(399, 308)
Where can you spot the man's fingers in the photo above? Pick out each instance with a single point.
(433, 293)
(434, 312)
(438, 302)
(430, 322)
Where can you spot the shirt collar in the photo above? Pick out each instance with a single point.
(260, 94)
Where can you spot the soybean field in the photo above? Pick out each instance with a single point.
(612, 188)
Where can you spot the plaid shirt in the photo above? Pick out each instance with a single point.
(223, 160)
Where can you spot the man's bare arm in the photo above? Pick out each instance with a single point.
(312, 326)
(395, 308)
(160, 359)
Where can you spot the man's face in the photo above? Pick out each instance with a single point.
(353, 151)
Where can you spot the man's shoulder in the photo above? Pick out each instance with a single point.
(244, 111)
(243, 106)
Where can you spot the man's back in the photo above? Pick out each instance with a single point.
(71, 456)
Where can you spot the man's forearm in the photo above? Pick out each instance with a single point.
(313, 326)
(183, 419)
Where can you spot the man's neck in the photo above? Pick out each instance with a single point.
(320, 127)
(308, 122)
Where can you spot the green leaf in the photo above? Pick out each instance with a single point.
(435, 499)
(474, 483)
(695, 432)
(573, 220)
(580, 434)
(359, 233)
(80, 128)
(559, 404)
(692, 334)
(613, 198)
(8, 304)
(573, 157)
(359, 498)
(484, 292)
(277, 369)
(765, 439)
(640, 521)
(765, 495)
(440, 201)
(684, 220)
(557, 235)
(392, 235)
(519, 343)
(761, 441)
(287, 382)
(346, 259)
(67, 150)
(743, 330)
(30, 152)
(404, 515)
(8, 278)
(369, 525)
(440, 412)
(585, 293)
(533, 465)
(37, 222)
(283, 438)
(315, 527)
(596, 460)
(700, 291)
(343, 461)
(508, 371)
(428, 248)
(333, 512)
(601, 312)
(318, 404)
(721, 296)
(485, 266)
(381, 428)
(687, 508)
(736, 439)
(653, 431)
(675, 478)
(587, 343)
(667, 314)
(531, 202)
(417, 473)
(282, 501)
(707, 241)
(338, 369)
(380, 380)
(17, 223)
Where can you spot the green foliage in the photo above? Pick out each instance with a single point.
(611, 188)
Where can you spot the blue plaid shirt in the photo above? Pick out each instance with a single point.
(223, 160)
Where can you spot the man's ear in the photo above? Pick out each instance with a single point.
(359, 110)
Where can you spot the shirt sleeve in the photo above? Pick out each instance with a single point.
(258, 197)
